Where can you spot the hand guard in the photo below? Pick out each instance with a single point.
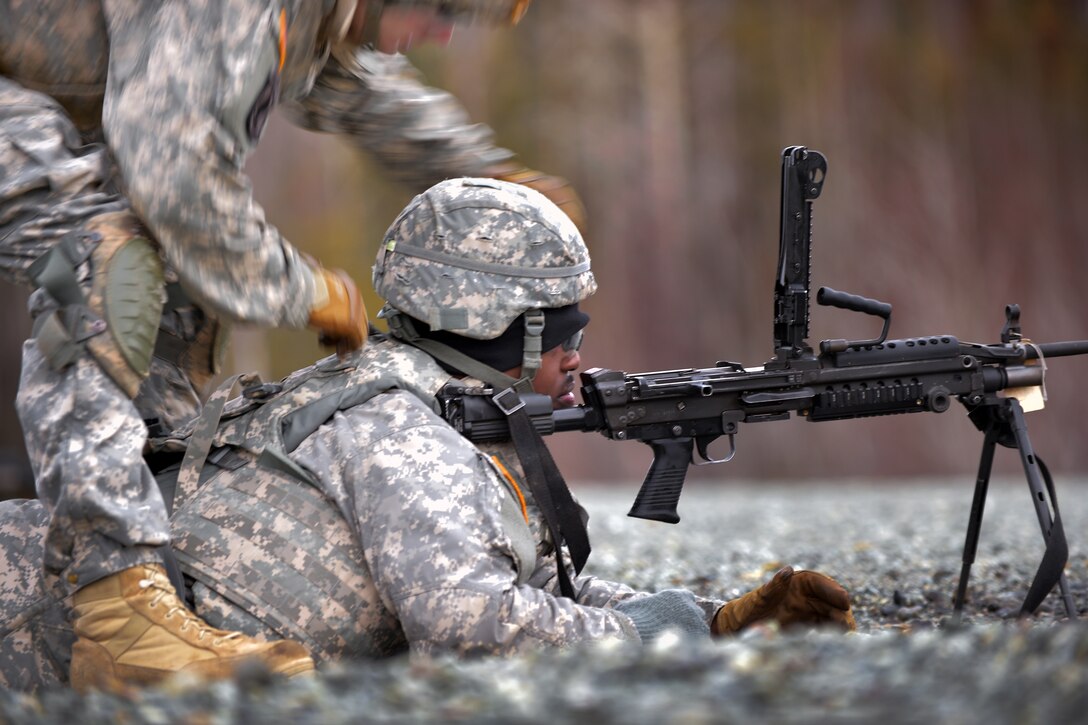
(338, 312)
(556, 188)
(790, 598)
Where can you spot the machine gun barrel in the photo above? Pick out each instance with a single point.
(1057, 349)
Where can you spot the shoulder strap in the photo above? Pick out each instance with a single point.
(200, 442)
(560, 513)
(277, 417)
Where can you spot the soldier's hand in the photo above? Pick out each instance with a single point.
(338, 312)
(556, 188)
(789, 598)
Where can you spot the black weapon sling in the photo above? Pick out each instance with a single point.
(561, 513)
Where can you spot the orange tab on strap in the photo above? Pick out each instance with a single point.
(514, 485)
(283, 38)
(520, 6)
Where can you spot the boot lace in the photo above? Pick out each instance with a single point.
(165, 593)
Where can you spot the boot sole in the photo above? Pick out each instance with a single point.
(298, 668)
(94, 668)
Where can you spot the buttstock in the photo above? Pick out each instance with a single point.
(664, 482)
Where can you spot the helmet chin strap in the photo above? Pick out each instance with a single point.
(401, 327)
(530, 356)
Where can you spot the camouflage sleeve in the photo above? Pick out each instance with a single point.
(590, 591)
(421, 135)
(596, 592)
(184, 106)
(428, 507)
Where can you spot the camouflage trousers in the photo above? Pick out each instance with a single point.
(36, 634)
(85, 436)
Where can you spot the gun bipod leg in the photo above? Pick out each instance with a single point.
(1052, 567)
(974, 523)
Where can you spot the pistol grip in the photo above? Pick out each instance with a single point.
(660, 491)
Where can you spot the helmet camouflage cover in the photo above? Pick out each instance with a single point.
(498, 12)
(471, 255)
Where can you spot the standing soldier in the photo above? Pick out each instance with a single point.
(124, 127)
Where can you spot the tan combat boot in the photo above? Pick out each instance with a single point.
(133, 629)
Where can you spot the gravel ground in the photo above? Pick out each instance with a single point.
(896, 548)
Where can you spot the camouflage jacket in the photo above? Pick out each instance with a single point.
(182, 89)
(389, 532)
(453, 554)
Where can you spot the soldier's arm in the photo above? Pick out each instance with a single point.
(379, 102)
(589, 590)
(429, 515)
(184, 107)
(596, 592)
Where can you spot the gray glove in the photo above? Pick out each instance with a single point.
(670, 609)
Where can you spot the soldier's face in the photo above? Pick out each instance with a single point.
(555, 378)
(404, 27)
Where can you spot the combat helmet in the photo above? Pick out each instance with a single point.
(473, 257)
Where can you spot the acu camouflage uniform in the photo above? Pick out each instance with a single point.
(142, 113)
(342, 511)
(382, 531)
(393, 533)
(36, 634)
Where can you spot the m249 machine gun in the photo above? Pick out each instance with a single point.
(679, 413)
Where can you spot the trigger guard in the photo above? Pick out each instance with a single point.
(701, 446)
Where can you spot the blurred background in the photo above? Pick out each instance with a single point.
(955, 133)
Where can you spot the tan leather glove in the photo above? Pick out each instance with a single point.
(556, 188)
(338, 312)
(789, 598)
